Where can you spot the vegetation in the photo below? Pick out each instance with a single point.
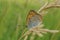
(13, 19)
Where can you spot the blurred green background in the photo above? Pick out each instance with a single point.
(13, 18)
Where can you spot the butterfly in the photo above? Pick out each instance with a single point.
(33, 19)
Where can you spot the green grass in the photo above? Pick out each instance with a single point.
(13, 19)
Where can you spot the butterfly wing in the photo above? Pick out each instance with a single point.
(33, 19)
